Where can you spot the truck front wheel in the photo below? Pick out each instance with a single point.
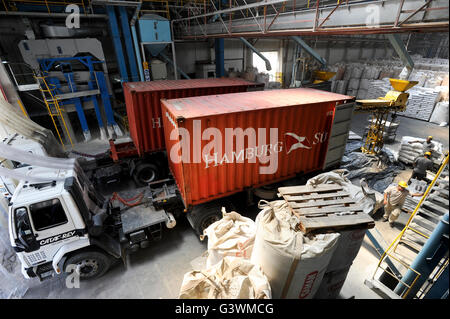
(88, 264)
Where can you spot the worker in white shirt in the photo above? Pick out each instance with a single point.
(394, 198)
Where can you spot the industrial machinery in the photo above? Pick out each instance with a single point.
(394, 101)
(70, 93)
(72, 76)
(155, 36)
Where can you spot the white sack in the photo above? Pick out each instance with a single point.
(231, 278)
(233, 235)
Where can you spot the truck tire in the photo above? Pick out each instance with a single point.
(90, 264)
(145, 173)
(201, 216)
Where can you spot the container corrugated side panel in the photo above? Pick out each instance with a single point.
(199, 184)
(144, 112)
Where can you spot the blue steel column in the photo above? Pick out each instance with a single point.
(112, 125)
(138, 54)
(128, 44)
(428, 258)
(220, 57)
(78, 106)
(117, 43)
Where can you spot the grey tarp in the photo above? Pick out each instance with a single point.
(379, 171)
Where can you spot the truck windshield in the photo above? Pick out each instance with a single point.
(47, 214)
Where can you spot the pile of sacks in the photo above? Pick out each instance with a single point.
(370, 79)
(264, 259)
(229, 274)
(410, 151)
(272, 258)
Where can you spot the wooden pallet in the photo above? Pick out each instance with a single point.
(324, 207)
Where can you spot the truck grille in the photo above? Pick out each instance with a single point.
(36, 257)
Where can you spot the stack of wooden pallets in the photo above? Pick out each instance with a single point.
(324, 207)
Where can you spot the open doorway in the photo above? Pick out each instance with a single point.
(273, 57)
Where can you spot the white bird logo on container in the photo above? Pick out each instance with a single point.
(293, 142)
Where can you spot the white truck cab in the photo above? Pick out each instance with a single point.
(65, 222)
(44, 222)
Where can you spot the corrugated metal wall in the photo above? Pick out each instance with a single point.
(144, 108)
(202, 182)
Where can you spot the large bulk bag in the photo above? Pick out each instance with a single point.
(332, 283)
(233, 235)
(294, 264)
(231, 278)
(347, 248)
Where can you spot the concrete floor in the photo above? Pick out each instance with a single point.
(157, 272)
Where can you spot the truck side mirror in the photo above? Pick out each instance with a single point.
(25, 234)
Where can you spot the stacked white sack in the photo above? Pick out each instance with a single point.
(410, 151)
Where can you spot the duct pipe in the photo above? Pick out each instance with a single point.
(167, 59)
(308, 49)
(268, 66)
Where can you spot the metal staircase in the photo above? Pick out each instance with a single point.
(54, 110)
(431, 210)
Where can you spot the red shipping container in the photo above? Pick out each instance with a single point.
(222, 144)
(143, 104)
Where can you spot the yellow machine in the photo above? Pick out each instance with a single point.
(322, 76)
(394, 101)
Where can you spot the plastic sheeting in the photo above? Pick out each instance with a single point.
(21, 156)
(378, 171)
(12, 282)
(14, 120)
(231, 278)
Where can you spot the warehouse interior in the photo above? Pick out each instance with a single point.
(217, 149)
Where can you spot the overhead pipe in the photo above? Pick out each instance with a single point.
(136, 41)
(52, 15)
(308, 49)
(402, 52)
(268, 66)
